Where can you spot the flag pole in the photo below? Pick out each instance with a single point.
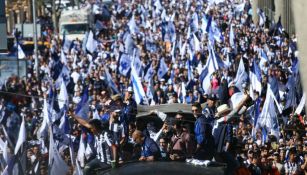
(35, 37)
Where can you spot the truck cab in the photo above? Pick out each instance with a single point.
(74, 23)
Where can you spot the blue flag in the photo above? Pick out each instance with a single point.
(124, 64)
(162, 69)
(82, 108)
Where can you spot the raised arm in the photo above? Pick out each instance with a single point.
(81, 121)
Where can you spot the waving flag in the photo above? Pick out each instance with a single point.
(22, 136)
(83, 106)
(139, 92)
(84, 41)
(241, 76)
(196, 43)
(21, 54)
(124, 64)
(91, 43)
(132, 26)
(109, 80)
(262, 18)
(63, 57)
(194, 22)
(263, 58)
(137, 62)
(205, 76)
(56, 163)
(301, 105)
(64, 77)
(268, 116)
(240, 7)
(204, 24)
(149, 74)
(63, 96)
(255, 79)
(81, 152)
(162, 69)
(274, 86)
(66, 45)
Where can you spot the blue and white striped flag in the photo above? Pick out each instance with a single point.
(262, 17)
(301, 105)
(197, 45)
(139, 92)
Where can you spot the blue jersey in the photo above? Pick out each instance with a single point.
(200, 127)
(150, 148)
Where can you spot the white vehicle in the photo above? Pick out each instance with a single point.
(74, 23)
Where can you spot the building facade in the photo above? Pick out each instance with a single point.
(275, 8)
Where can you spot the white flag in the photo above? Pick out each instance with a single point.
(57, 164)
(22, 136)
(301, 105)
(91, 43)
(21, 54)
(63, 96)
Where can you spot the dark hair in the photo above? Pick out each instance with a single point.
(98, 125)
(196, 104)
(177, 122)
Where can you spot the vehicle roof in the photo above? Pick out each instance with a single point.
(165, 168)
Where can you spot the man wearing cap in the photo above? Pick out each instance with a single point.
(130, 108)
(223, 133)
(209, 109)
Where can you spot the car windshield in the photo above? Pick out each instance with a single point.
(74, 28)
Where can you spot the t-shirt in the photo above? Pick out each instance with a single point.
(150, 148)
(117, 133)
(102, 144)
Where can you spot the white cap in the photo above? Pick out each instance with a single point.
(129, 89)
(117, 110)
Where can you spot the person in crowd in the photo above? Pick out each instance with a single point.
(150, 149)
(181, 145)
(246, 71)
(103, 140)
(164, 148)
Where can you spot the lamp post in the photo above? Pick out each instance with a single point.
(35, 37)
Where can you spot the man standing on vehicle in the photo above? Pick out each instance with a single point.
(150, 149)
(201, 129)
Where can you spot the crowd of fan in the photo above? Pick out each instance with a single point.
(111, 134)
